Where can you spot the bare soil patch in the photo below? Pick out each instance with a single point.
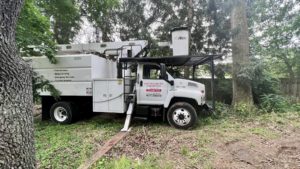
(170, 145)
(252, 146)
(255, 152)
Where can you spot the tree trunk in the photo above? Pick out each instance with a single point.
(97, 33)
(105, 36)
(242, 92)
(60, 35)
(16, 105)
(187, 70)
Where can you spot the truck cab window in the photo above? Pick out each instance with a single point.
(151, 72)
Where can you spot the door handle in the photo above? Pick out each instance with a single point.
(141, 83)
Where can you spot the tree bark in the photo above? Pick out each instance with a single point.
(97, 33)
(16, 104)
(242, 91)
(187, 70)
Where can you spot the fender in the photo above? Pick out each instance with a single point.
(184, 94)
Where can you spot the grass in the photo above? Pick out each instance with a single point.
(67, 146)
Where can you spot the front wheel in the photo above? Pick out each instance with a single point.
(182, 115)
(62, 112)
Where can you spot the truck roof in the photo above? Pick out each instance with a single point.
(175, 60)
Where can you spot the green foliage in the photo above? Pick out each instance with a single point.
(152, 20)
(258, 74)
(65, 17)
(219, 28)
(67, 146)
(126, 163)
(211, 38)
(34, 29)
(122, 163)
(136, 18)
(263, 82)
(224, 87)
(245, 73)
(184, 151)
(222, 108)
(245, 110)
(276, 103)
(239, 110)
(41, 84)
(102, 14)
(274, 34)
(264, 132)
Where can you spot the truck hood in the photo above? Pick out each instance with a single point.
(188, 84)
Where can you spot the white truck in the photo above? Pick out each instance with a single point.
(116, 77)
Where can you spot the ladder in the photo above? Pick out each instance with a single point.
(129, 82)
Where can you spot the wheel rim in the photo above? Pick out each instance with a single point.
(181, 116)
(60, 114)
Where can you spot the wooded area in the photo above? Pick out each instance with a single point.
(259, 41)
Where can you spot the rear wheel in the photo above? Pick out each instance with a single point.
(62, 112)
(182, 115)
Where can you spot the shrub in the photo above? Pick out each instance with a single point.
(222, 109)
(244, 110)
(262, 82)
(274, 103)
(296, 107)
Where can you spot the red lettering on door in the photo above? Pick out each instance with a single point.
(153, 90)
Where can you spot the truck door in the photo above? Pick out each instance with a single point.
(151, 89)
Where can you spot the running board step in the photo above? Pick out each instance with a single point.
(140, 118)
(128, 117)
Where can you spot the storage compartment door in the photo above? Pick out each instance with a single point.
(100, 96)
(116, 96)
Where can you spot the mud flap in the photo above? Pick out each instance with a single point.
(207, 110)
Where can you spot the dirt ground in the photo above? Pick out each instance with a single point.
(255, 152)
(240, 145)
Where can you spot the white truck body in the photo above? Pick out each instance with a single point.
(77, 74)
(74, 71)
(87, 72)
(108, 96)
(91, 75)
(180, 41)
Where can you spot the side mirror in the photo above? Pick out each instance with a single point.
(171, 82)
(164, 75)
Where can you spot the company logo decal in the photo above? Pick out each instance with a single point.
(181, 38)
(153, 90)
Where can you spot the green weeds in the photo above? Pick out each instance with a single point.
(67, 146)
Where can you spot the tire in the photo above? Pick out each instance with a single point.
(62, 112)
(182, 115)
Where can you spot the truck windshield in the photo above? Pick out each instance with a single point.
(176, 72)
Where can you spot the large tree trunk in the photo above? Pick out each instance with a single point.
(16, 121)
(61, 34)
(97, 34)
(187, 70)
(242, 92)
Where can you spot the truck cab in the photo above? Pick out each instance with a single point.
(177, 99)
(155, 86)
